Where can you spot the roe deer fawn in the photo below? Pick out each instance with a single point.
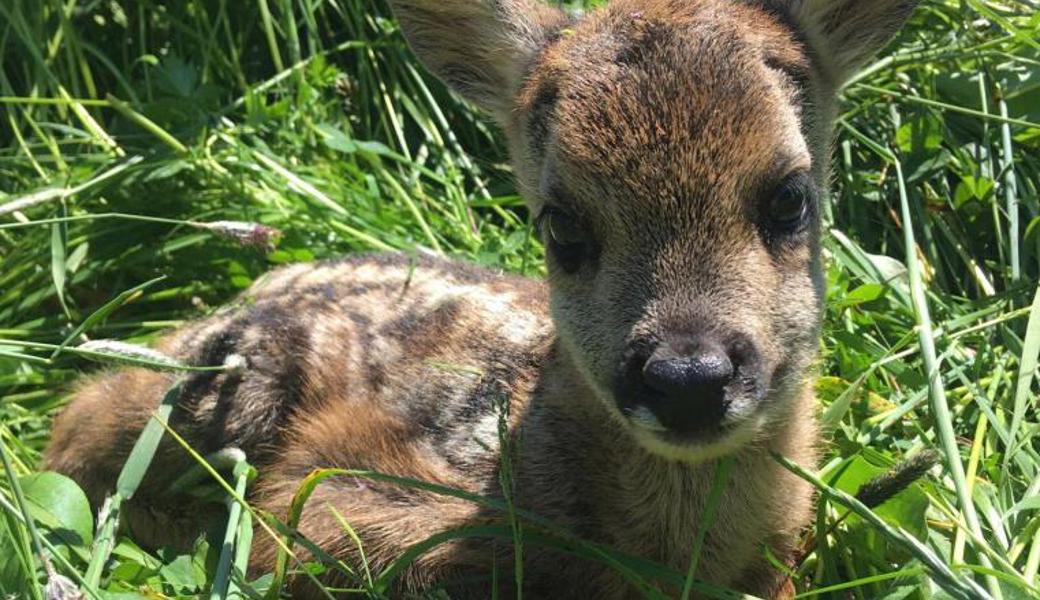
(675, 152)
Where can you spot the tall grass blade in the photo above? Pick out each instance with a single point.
(130, 477)
(33, 535)
(222, 577)
(1027, 365)
(103, 312)
(722, 469)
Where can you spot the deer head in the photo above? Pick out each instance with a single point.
(675, 153)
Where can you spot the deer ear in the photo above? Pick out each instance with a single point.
(481, 48)
(843, 34)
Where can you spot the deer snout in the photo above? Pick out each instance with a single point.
(692, 385)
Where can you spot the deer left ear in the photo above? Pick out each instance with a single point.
(843, 34)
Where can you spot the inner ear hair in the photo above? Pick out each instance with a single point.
(481, 48)
(844, 34)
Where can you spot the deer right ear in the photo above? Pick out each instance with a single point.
(843, 34)
(481, 48)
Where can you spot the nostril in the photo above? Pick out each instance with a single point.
(707, 370)
(742, 353)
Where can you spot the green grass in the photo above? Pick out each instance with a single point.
(127, 127)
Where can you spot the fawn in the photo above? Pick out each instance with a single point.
(675, 152)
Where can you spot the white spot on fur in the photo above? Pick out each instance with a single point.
(645, 418)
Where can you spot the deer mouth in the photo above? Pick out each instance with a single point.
(718, 432)
(694, 416)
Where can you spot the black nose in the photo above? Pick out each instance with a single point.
(688, 380)
(698, 376)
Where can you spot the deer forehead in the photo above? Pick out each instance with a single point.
(701, 102)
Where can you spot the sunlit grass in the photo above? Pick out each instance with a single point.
(127, 129)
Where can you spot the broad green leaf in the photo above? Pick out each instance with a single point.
(867, 292)
(180, 572)
(61, 507)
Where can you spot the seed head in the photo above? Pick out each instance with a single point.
(122, 352)
(59, 587)
(880, 489)
(253, 235)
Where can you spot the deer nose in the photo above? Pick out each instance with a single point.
(699, 376)
(690, 384)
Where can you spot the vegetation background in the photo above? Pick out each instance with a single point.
(128, 128)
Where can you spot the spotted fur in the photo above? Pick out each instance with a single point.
(663, 129)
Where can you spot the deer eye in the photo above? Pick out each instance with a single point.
(567, 238)
(564, 229)
(791, 205)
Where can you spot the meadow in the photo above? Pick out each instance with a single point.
(143, 144)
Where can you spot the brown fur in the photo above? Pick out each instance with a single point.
(663, 129)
